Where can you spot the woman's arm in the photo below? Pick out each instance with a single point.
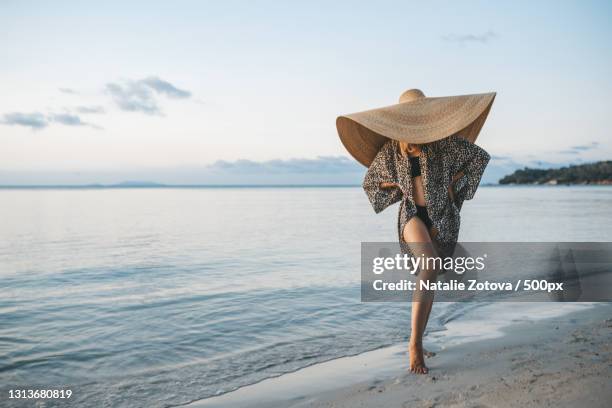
(468, 162)
(381, 182)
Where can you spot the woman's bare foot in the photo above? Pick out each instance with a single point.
(417, 360)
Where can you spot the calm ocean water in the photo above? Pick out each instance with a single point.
(157, 297)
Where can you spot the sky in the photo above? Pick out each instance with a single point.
(196, 92)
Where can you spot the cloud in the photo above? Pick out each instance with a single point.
(133, 97)
(68, 119)
(166, 88)
(593, 145)
(463, 39)
(580, 148)
(141, 95)
(37, 120)
(324, 164)
(34, 120)
(89, 109)
(543, 163)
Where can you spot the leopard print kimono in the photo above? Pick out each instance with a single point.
(440, 161)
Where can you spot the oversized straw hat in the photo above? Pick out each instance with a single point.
(415, 119)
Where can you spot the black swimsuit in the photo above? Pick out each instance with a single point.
(415, 171)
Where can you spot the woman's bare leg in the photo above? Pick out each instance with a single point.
(417, 236)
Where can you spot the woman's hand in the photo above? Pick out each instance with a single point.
(386, 184)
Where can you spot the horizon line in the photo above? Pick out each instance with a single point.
(160, 185)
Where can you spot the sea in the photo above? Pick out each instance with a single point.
(157, 297)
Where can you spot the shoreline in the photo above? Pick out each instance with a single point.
(513, 359)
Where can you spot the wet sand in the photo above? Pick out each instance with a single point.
(560, 358)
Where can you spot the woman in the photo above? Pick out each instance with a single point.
(421, 152)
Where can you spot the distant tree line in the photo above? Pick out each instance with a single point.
(591, 173)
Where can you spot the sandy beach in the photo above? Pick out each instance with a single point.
(529, 355)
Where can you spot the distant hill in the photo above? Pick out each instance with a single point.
(131, 183)
(591, 173)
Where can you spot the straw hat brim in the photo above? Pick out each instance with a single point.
(420, 121)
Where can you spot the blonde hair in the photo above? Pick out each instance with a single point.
(407, 148)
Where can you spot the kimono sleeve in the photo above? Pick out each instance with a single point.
(383, 170)
(471, 160)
